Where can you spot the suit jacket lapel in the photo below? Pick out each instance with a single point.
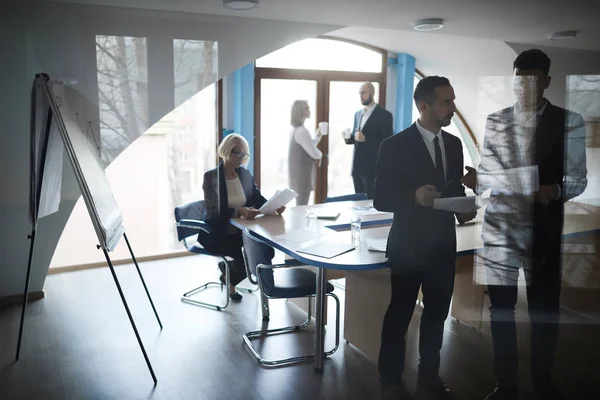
(222, 188)
(372, 118)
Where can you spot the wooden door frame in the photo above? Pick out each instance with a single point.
(323, 79)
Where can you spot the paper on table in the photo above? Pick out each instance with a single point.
(279, 199)
(457, 204)
(299, 236)
(377, 244)
(327, 249)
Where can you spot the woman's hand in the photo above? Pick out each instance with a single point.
(248, 212)
(280, 210)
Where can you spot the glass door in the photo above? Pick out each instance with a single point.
(276, 99)
(344, 102)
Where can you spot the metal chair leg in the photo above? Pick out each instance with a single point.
(186, 297)
(294, 328)
(264, 306)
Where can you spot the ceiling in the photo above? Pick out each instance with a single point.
(519, 21)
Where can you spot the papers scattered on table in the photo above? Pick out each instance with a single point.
(279, 199)
(327, 249)
(377, 244)
(300, 235)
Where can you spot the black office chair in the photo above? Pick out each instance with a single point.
(283, 281)
(188, 220)
(347, 197)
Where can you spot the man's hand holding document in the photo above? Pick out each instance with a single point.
(278, 201)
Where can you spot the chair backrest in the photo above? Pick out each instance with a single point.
(194, 210)
(258, 252)
(347, 197)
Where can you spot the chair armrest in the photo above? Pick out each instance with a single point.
(292, 262)
(198, 225)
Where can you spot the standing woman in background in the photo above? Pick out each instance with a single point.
(303, 154)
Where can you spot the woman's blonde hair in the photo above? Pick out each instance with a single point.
(298, 109)
(229, 143)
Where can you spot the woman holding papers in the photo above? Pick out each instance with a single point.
(303, 153)
(230, 192)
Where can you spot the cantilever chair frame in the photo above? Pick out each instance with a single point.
(293, 328)
(186, 297)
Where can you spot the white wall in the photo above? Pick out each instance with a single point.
(60, 39)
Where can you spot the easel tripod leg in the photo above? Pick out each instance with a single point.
(142, 279)
(137, 335)
(25, 294)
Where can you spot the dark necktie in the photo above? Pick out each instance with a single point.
(439, 165)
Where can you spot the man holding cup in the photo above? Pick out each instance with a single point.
(372, 125)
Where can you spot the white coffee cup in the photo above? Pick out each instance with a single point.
(347, 133)
(324, 127)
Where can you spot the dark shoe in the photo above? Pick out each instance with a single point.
(433, 387)
(503, 392)
(394, 390)
(237, 296)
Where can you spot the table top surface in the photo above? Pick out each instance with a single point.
(579, 218)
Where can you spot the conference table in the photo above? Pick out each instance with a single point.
(366, 271)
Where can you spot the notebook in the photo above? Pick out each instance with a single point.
(327, 249)
(328, 214)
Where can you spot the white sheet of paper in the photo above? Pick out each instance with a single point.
(279, 199)
(377, 244)
(299, 236)
(327, 249)
(524, 180)
(456, 204)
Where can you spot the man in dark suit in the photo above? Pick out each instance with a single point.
(523, 228)
(372, 124)
(414, 167)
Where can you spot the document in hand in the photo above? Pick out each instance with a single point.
(457, 204)
(279, 199)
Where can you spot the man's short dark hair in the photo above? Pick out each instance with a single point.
(425, 90)
(533, 59)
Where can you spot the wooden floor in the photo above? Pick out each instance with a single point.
(78, 344)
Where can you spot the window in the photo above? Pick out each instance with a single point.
(326, 55)
(152, 169)
(122, 92)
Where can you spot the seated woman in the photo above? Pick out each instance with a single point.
(303, 154)
(230, 192)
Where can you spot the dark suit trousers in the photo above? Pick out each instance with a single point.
(364, 184)
(543, 299)
(230, 245)
(437, 285)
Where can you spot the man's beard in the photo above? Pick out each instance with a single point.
(446, 120)
(368, 101)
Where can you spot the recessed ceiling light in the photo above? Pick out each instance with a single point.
(430, 24)
(240, 4)
(563, 35)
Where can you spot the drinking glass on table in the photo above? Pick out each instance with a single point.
(355, 223)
